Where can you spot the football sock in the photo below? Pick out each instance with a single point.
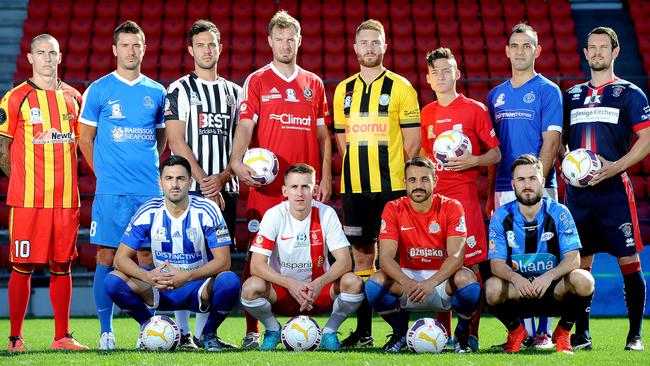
(260, 308)
(364, 313)
(573, 306)
(544, 324)
(445, 319)
(529, 324)
(61, 296)
(199, 324)
(182, 318)
(634, 296)
(380, 298)
(582, 321)
(476, 317)
(103, 302)
(252, 325)
(18, 292)
(344, 305)
(464, 302)
(120, 292)
(225, 292)
(506, 314)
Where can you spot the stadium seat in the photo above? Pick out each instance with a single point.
(425, 43)
(422, 12)
(261, 45)
(86, 185)
(198, 10)
(474, 62)
(82, 27)
(498, 62)
(152, 9)
(496, 45)
(262, 29)
(404, 62)
(334, 76)
(379, 11)
(310, 28)
(4, 185)
(309, 11)
(174, 9)
(101, 62)
(449, 29)
(244, 28)
(244, 44)
(220, 11)
(153, 47)
(563, 27)
(243, 191)
(471, 28)
(336, 187)
(264, 10)
(568, 45)
(560, 10)
(129, 10)
(85, 213)
(400, 10)
(104, 27)
(403, 44)
(634, 170)
(335, 29)
(241, 235)
(443, 10)
(87, 255)
(402, 29)
(170, 61)
(546, 62)
(467, 11)
(425, 30)
(75, 78)
(175, 27)
(335, 62)
(241, 62)
(335, 45)
(312, 45)
(83, 10)
(173, 44)
(537, 11)
(639, 186)
(34, 27)
(107, 10)
(312, 62)
(4, 252)
(75, 61)
(473, 45)
(260, 59)
(515, 11)
(242, 10)
(332, 10)
(453, 43)
(337, 163)
(58, 27)
(60, 10)
(38, 9)
(355, 11)
(542, 27)
(645, 165)
(491, 10)
(569, 61)
(644, 42)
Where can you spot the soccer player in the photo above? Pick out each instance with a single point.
(122, 136)
(190, 245)
(376, 122)
(38, 137)
(291, 274)
(284, 109)
(427, 232)
(526, 112)
(201, 113)
(602, 115)
(457, 178)
(534, 256)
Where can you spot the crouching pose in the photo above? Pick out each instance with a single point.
(534, 256)
(290, 271)
(428, 232)
(190, 248)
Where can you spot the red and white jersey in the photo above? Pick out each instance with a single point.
(467, 116)
(287, 112)
(298, 249)
(422, 236)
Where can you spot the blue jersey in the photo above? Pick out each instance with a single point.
(520, 116)
(185, 241)
(604, 119)
(532, 248)
(126, 114)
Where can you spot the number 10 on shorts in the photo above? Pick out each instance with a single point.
(22, 248)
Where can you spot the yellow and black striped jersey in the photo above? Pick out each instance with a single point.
(372, 116)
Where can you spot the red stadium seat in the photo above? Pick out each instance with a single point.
(644, 42)
(355, 11)
(560, 10)
(312, 45)
(400, 10)
(87, 255)
(311, 28)
(337, 163)
(498, 62)
(403, 45)
(38, 9)
(77, 77)
(173, 44)
(569, 61)
(312, 62)
(334, 29)
(568, 45)
(153, 46)
(473, 45)
(335, 45)
(546, 62)
(426, 43)
(336, 186)
(82, 27)
(104, 27)
(262, 29)
(60, 10)
(425, 30)
(220, 11)
(244, 44)
(86, 185)
(443, 11)
(634, 169)
(241, 61)
(645, 165)
(107, 10)
(449, 29)
(335, 62)
(563, 27)
(101, 62)
(422, 12)
(453, 43)
(310, 10)
(241, 235)
(242, 10)
(152, 9)
(243, 191)
(537, 11)
(198, 10)
(244, 27)
(471, 28)
(639, 8)
(5, 251)
(76, 61)
(379, 11)
(170, 61)
(261, 45)
(264, 11)
(332, 10)
(542, 27)
(639, 186)
(467, 11)
(475, 62)
(402, 29)
(86, 210)
(83, 10)
(151, 26)
(515, 11)
(491, 10)
(4, 185)
(129, 10)
(175, 27)
(175, 9)
(22, 64)
(33, 27)
(58, 27)
(404, 63)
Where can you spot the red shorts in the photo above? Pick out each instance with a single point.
(476, 244)
(286, 305)
(43, 235)
(257, 205)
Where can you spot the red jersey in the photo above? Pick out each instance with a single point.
(465, 115)
(422, 236)
(287, 112)
(43, 126)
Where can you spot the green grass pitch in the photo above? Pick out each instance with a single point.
(609, 337)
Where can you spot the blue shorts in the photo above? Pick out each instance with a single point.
(187, 297)
(111, 216)
(606, 218)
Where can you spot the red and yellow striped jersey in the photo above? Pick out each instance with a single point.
(43, 126)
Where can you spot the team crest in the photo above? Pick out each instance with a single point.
(434, 227)
(307, 93)
(501, 100)
(529, 97)
(230, 101)
(347, 102)
(461, 225)
(384, 99)
(430, 133)
(510, 237)
(617, 90)
(259, 240)
(471, 241)
(116, 111)
(626, 229)
(194, 98)
(291, 95)
(243, 107)
(320, 261)
(147, 102)
(35, 116)
(192, 233)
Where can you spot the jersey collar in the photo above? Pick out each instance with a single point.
(281, 76)
(614, 80)
(127, 82)
(205, 82)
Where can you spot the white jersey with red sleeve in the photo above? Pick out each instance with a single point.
(298, 249)
(287, 112)
(422, 236)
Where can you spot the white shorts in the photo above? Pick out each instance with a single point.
(501, 198)
(437, 301)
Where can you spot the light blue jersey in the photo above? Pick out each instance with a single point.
(126, 114)
(520, 116)
(185, 241)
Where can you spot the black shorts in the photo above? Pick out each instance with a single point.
(362, 215)
(546, 306)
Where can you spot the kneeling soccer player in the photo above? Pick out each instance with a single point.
(428, 232)
(190, 247)
(534, 256)
(290, 271)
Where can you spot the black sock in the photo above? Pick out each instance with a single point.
(398, 320)
(506, 314)
(635, 301)
(364, 318)
(574, 307)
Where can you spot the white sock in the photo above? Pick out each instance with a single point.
(182, 318)
(529, 324)
(344, 305)
(201, 319)
(260, 309)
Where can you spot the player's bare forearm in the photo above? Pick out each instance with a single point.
(5, 155)
(412, 141)
(503, 271)
(570, 262)
(260, 268)
(161, 140)
(124, 263)
(87, 143)
(175, 131)
(243, 136)
(220, 262)
(549, 150)
(340, 142)
(341, 266)
(387, 262)
(453, 262)
(490, 157)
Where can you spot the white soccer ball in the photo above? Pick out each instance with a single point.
(450, 144)
(264, 163)
(426, 335)
(578, 167)
(160, 333)
(301, 333)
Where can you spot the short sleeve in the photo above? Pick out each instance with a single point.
(214, 227)
(9, 115)
(637, 109)
(136, 234)
(456, 225)
(409, 108)
(322, 114)
(337, 108)
(171, 105)
(490, 106)
(497, 244)
(567, 232)
(334, 235)
(552, 112)
(91, 107)
(264, 241)
(427, 129)
(250, 106)
(389, 228)
(484, 128)
(160, 113)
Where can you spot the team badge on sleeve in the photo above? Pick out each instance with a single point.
(461, 225)
(258, 241)
(3, 116)
(383, 226)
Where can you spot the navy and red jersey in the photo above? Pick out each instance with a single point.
(603, 119)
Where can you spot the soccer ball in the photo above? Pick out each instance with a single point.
(301, 333)
(450, 144)
(579, 166)
(160, 333)
(426, 335)
(264, 163)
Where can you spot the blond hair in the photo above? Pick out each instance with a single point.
(371, 24)
(283, 20)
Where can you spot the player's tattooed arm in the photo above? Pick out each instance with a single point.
(5, 158)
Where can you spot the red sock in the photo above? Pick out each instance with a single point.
(445, 319)
(252, 325)
(60, 296)
(18, 292)
(476, 317)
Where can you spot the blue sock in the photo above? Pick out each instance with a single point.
(103, 303)
(543, 325)
(126, 299)
(464, 302)
(379, 297)
(225, 294)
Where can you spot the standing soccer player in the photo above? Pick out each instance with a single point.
(457, 178)
(122, 136)
(376, 121)
(38, 152)
(190, 241)
(526, 113)
(284, 109)
(602, 115)
(201, 113)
